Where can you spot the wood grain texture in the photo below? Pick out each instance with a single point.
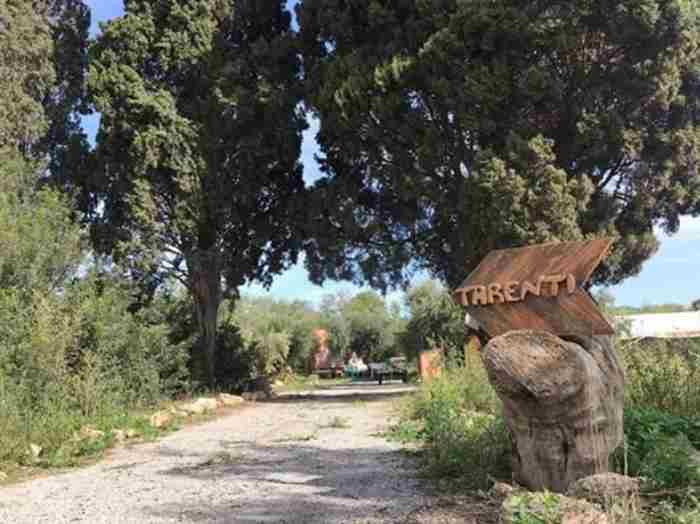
(563, 314)
(562, 403)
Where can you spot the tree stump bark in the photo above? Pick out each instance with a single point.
(562, 403)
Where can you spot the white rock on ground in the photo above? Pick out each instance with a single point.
(35, 451)
(177, 412)
(199, 406)
(227, 400)
(161, 419)
(260, 464)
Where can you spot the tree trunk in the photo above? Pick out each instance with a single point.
(562, 403)
(205, 280)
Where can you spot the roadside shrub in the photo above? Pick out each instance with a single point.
(471, 446)
(71, 359)
(276, 334)
(661, 424)
(457, 418)
(534, 508)
(71, 353)
(666, 512)
(663, 375)
(671, 464)
(235, 361)
(661, 448)
(462, 387)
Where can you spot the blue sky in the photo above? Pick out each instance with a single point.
(673, 275)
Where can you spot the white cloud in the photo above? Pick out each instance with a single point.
(689, 230)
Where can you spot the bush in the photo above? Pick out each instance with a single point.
(457, 417)
(70, 351)
(671, 464)
(235, 364)
(464, 387)
(660, 447)
(662, 430)
(663, 375)
(72, 359)
(665, 512)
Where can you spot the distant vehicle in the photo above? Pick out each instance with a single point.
(395, 368)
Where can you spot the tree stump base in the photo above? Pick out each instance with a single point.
(562, 403)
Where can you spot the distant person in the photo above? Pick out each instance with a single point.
(355, 365)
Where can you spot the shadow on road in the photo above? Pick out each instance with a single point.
(295, 482)
(300, 476)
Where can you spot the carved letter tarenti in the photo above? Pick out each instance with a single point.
(508, 292)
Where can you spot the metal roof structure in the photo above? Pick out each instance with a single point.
(663, 325)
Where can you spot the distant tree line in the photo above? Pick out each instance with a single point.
(264, 336)
(605, 298)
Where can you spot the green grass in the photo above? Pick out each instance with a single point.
(56, 433)
(70, 451)
(61, 448)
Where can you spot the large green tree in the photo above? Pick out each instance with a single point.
(452, 127)
(198, 147)
(64, 145)
(42, 78)
(26, 73)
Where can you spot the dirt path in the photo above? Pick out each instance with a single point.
(314, 459)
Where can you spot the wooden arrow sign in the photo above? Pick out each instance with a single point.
(537, 287)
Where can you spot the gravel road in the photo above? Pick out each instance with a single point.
(309, 458)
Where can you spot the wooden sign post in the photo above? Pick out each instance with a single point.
(537, 287)
(562, 400)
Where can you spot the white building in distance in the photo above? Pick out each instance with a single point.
(662, 325)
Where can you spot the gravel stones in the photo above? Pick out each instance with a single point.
(244, 467)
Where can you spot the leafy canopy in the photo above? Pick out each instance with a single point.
(40, 246)
(42, 78)
(200, 132)
(198, 146)
(455, 127)
(26, 73)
